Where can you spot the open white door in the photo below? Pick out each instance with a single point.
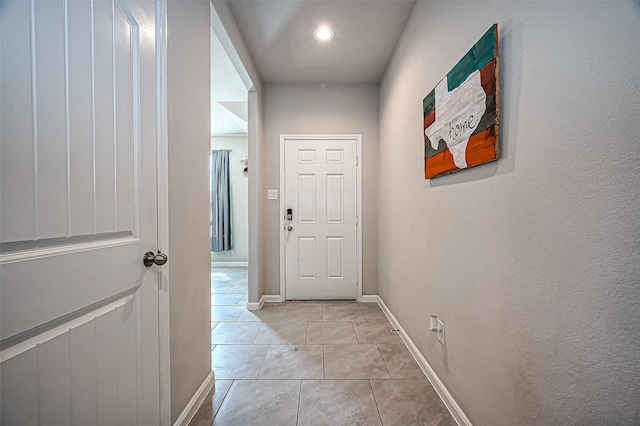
(320, 210)
(78, 309)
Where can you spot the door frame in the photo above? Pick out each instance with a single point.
(357, 139)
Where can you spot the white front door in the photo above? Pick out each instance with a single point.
(320, 239)
(79, 310)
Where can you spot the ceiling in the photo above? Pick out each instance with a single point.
(279, 35)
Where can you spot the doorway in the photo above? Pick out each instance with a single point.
(229, 147)
(320, 243)
(229, 187)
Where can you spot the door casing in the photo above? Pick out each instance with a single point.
(355, 138)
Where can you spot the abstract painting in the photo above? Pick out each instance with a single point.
(461, 114)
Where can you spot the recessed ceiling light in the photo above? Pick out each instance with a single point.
(323, 33)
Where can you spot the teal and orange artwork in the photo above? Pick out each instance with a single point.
(461, 114)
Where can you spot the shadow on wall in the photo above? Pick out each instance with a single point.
(510, 52)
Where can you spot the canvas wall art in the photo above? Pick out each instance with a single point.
(461, 114)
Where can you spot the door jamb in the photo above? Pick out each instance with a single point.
(357, 138)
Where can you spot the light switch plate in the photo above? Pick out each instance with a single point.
(272, 194)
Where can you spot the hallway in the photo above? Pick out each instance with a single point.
(310, 363)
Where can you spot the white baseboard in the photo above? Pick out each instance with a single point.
(441, 390)
(230, 264)
(196, 401)
(273, 298)
(255, 306)
(266, 298)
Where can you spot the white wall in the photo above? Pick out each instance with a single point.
(320, 109)
(239, 198)
(189, 150)
(226, 86)
(533, 262)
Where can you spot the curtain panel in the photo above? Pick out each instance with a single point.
(220, 202)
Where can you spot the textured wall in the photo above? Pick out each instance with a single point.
(239, 199)
(189, 150)
(533, 262)
(320, 109)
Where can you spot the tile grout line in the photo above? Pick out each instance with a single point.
(253, 342)
(263, 361)
(375, 402)
(383, 361)
(224, 398)
(299, 398)
(281, 315)
(354, 333)
(363, 315)
(324, 373)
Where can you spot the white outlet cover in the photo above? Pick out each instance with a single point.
(272, 194)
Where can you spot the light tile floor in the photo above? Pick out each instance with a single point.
(310, 363)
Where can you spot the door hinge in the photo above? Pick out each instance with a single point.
(357, 160)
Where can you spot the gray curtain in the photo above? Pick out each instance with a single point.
(220, 201)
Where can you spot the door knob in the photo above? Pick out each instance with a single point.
(289, 228)
(150, 258)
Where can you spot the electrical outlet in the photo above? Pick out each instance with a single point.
(440, 331)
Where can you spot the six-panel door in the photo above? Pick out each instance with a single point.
(321, 247)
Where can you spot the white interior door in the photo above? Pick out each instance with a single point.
(78, 309)
(320, 188)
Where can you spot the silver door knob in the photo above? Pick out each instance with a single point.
(289, 228)
(154, 259)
